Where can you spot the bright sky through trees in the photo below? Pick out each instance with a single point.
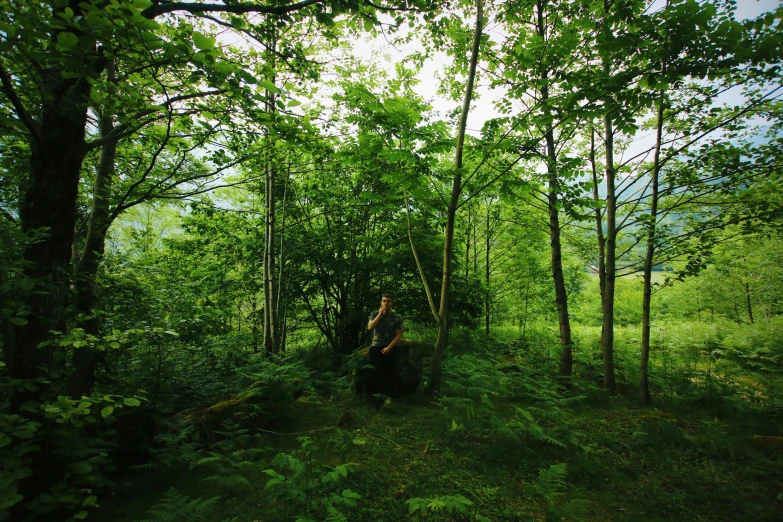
(382, 50)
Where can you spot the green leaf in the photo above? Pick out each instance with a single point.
(9, 497)
(130, 401)
(89, 501)
(269, 86)
(203, 42)
(18, 321)
(67, 40)
(108, 410)
(81, 468)
(351, 494)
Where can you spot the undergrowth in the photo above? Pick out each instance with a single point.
(505, 441)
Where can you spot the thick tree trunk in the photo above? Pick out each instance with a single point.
(49, 205)
(644, 379)
(607, 323)
(443, 312)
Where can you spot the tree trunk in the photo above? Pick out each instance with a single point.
(749, 305)
(271, 334)
(49, 204)
(443, 312)
(561, 295)
(599, 226)
(607, 323)
(86, 359)
(644, 384)
(487, 293)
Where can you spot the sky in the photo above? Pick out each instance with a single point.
(482, 109)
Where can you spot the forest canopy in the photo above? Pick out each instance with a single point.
(574, 204)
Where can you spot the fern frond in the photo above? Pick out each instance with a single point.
(228, 482)
(175, 506)
(551, 480)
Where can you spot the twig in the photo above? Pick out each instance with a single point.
(300, 433)
(381, 437)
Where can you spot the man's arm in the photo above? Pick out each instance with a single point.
(374, 322)
(391, 344)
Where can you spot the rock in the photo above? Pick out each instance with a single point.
(405, 375)
(346, 418)
(259, 405)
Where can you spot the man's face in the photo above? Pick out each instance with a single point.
(386, 303)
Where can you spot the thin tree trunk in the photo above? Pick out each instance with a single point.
(561, 294)
(644, 384)
(749, 305)
(607, 323)
(467, 248)
(271, 334)
(443, 312)
(86, 359)
(599, 226)
(487, 280)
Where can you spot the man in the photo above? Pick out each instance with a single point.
(386, 328)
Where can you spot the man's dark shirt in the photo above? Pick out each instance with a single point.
(386, 329)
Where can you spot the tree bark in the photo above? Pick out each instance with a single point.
(86, 359)
(271, 334)
(49, 204)
(644, 384)
(561, 295)
(599, 225)
(487, 280)
(607, 323)
(443, 312)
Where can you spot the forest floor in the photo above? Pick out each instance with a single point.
(631, 464)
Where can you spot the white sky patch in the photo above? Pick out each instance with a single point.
(482, 108)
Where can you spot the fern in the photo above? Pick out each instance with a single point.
(175, 506)
(178, 449)
(549, 485)
(550, 481)
(447, 503)
(303, 481)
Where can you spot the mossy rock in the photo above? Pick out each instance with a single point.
(258, 405)
(405, 374)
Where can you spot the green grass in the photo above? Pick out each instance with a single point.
(642, 465)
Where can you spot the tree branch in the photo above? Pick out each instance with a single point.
(129, 127)
(24, 116)
(164, 7)
(418, 263)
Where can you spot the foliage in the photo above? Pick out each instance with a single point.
(549, 485)
(311, 485)
(447, 503)
(176, 506)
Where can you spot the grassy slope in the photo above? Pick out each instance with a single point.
(683, 469)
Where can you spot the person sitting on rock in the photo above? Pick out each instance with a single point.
(386, 328)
